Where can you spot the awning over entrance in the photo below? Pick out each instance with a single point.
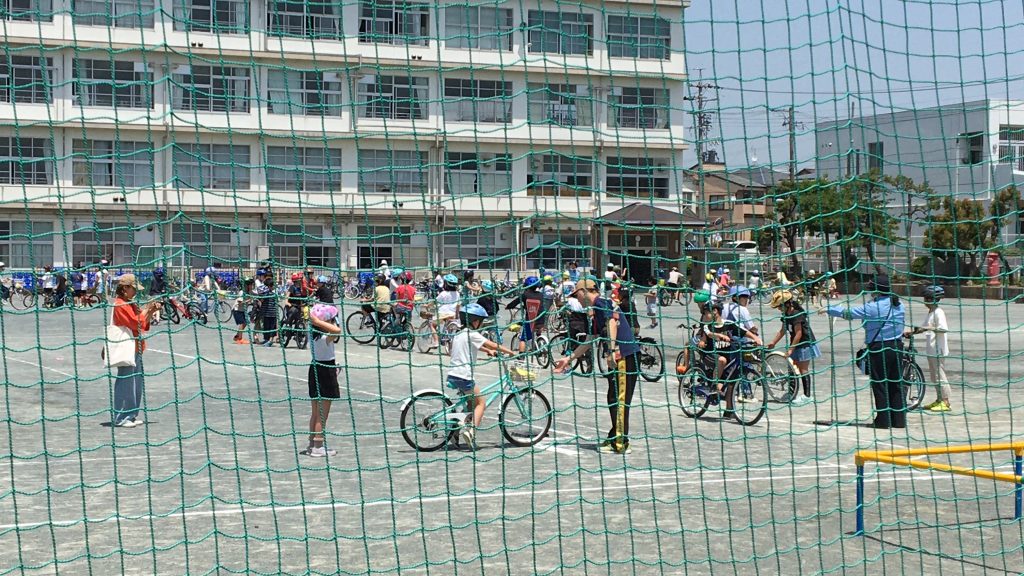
(640, 214)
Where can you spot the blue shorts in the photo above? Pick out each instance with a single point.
(461, 384)
(526, 334)
(239, 317)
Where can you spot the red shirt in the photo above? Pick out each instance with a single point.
(128, 315)
(405, 295)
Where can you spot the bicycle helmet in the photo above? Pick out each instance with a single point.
(321, 279)
(487, 285)
(709, 276)
(396, 272)
(476, 311)
(3, 265)
(451, 279)
(811, 272)
(931, 293)
(740, 292)
(565, 274)
(158, 272)
(701, 296)
(530, 281)
(611, 266)
(296, 277)
(548, 279)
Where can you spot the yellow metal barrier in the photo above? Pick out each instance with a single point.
(901, 457)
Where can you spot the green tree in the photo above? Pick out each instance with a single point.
(961, 228)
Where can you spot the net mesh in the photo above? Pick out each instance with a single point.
(776, 145)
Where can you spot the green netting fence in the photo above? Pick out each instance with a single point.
(245, 160)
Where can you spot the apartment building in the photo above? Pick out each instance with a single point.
(339, 133)
(964, 149)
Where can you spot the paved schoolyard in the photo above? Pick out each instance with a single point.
(213, 481)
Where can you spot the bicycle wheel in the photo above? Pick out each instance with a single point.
(665, 297)
(913, 385)
(386, 338)
(286, 335)
(28, 301)
(406, 338)
(694, 397)
(196, 311)
(424, 337)
(361, 327)
(424, 421)
(749, 398)
(352, 291)
(89, 300)
(222, 311)
(171, 313)
(781, 378)
(525, 417)
(652, 361)
(300, 335)
(449, 329)
(542, 351)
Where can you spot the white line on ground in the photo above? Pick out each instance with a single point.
(11, 359)
(235, 511)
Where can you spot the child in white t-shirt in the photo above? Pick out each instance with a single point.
(651, 299)
(465, 345)
(936, 347)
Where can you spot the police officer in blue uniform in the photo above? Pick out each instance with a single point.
(883, 322)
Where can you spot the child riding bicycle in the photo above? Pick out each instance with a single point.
(465, 345)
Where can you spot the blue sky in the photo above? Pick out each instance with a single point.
(822, 55)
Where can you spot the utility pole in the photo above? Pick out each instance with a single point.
(702, 126)
(789, 121)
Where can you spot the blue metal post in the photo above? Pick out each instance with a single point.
(860, 500)
(1018, 491)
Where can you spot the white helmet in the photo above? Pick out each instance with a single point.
(383, 262)
(3, 265)
(726, 271)
(811, 272)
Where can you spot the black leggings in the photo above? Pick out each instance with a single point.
(884, 367)
(613, 396)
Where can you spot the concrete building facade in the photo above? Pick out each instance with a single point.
(337, 134)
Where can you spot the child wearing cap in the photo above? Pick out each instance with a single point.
(323, 375)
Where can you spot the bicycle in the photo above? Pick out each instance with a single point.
(430, 420)
(294, 328)
(744, 390)
(538, 348)
(562, 345)
(221, 309)
(912, 376)
(174, 311)
(429, 335)
(651, 360)
(396, 332)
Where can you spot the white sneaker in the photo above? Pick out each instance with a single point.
(803, 400)
(468, 436)
(126, 423)
(320, 452)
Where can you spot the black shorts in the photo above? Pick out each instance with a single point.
(672, 285)
(323, 381)
(79, 293)
(239, 317)
(270, 324)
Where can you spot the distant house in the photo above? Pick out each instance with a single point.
(740, 197)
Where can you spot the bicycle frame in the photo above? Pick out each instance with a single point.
(457, 412)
